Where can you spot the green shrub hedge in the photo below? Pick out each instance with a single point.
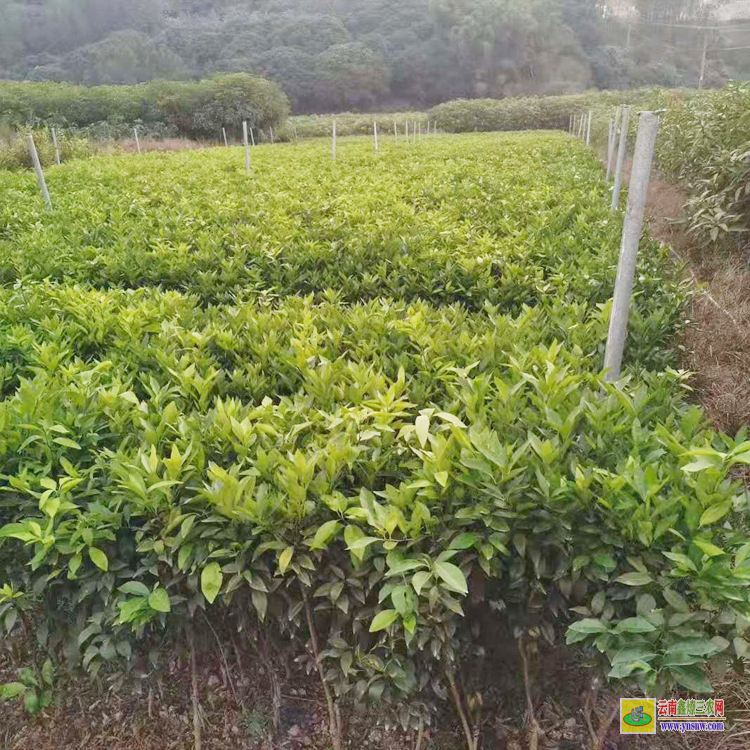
(533, 112)
(705, 143)
(196, 109)
(14, 153)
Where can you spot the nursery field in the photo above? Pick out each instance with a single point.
(343, 404)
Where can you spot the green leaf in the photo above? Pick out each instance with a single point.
(742, 554)
(605, 561)
(260, 602)
(285, 558)
(675, 600)
(625, 669)
(420, 579)
(588, 626)
(635, 579)
(692, 678)
(464, 541)
(136, 588)
(701, 463)
(74, 564)
(453, 576)
(634, 625)
(324, 534)
(12, 690)
(383, 620)
(158, 600)
(707, 548)
(211, 580)
(697, 646)
(682, 560)
(362, 543)
(636, 653)
(715, 513)
(48, 672)
(66, 442)
(130, 608)
(99, 558)
(422, 428)
(31, 699)
(403, 600)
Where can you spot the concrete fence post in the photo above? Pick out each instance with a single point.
(588, 128)
(622, 151)
(246, 145)
(610, 145)
(137, 142)
(38, 169)
(57, 148)
(631, 237)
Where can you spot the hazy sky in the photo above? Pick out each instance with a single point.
(737, 9)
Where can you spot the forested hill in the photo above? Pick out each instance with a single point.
(360, 54)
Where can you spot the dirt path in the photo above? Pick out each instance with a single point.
(717, 339)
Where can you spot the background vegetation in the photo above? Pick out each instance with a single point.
(369, 54)
(193, 108)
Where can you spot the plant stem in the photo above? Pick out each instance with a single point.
(335, 729)
(604, 726)
(420, 736)
(194, 691)
(459, 707)
(534, 728)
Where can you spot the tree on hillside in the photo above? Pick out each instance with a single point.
(123, 57)
(350, 76)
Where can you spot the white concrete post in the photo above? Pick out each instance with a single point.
(226, 143)
(57, 149)
(406, 125)
(434, 124)
(615, 122)
(137, 142)
(631, 237)
(588, 128)
(38, 169)
(619, 171)
(252, 138)
(246, 145)
(395, 131)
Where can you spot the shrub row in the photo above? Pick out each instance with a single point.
(705, 143)
(355, 504)
(14, 153)
(536, 113)
(441, 225)
(196, 109)
(349, 123)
